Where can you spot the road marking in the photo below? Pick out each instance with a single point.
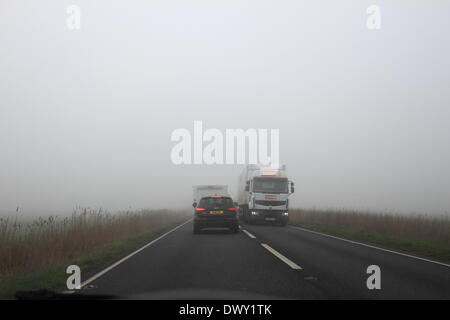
(68, 291)
(128, 256)
(373, 247)
(290, 263)
(249, 234)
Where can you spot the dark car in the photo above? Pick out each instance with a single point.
(215, 212)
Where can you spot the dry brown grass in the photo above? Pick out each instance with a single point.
(27, 246)
(413, 226)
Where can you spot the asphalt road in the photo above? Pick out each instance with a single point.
(267, 262)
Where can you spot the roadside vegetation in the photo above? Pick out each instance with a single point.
(35, 254)
(416, 234)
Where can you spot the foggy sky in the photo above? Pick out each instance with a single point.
(86, 115)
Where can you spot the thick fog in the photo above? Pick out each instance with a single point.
(86, 116)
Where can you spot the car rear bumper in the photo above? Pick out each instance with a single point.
(216, 222)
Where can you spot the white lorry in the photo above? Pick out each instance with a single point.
(201, 191)
(263, 194)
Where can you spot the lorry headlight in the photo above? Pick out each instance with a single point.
(286, 214)
(254, 213)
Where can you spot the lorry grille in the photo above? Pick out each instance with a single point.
(270, 203)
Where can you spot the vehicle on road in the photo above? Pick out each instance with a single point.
(263, 195)
(215, 212)
(201, 191)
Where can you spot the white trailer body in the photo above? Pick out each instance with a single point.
(201, 191)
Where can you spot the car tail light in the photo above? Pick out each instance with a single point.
(231, 209)
(200, 209)
(216, 197)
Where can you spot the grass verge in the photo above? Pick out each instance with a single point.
(54, 277)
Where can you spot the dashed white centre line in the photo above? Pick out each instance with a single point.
(249, 234)
(289, 262)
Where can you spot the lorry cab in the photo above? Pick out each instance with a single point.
(266, 195)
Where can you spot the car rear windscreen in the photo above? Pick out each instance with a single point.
(214, 203)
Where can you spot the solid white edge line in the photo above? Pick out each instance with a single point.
(373, 247)
(289, 262)
(99, 274)
(249, 234)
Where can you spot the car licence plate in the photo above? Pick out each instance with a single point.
(216, 212)
(270, 219)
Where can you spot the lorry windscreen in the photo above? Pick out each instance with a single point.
(270, 185)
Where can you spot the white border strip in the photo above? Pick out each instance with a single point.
(249, 234)
(128, 256)
(281, 257)
(370, 246)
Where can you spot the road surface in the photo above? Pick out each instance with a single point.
(266, 262)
